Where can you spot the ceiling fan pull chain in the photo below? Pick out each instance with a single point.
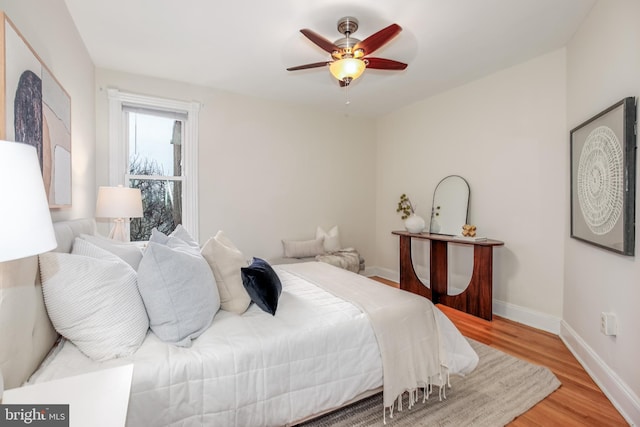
(347, 102)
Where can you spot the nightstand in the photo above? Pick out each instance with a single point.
(96, 399)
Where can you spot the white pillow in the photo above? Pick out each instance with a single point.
(303, 248)
(178, 290)
(92, 299)
(226, 261)
(181, 233)
(331, 239)
(128, 252)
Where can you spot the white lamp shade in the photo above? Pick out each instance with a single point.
(119, 202)
(25, 220)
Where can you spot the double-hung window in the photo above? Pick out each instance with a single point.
(153, 147)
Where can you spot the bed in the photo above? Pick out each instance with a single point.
(318, 353)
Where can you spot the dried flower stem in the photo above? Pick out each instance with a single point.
(405, 206)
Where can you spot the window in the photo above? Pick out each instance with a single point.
(153, 146)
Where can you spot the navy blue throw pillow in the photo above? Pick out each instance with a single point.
(262, 284)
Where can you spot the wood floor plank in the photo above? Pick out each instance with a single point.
(578, 402)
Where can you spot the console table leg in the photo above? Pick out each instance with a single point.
(477, 298)
(409, 280)
(483, 274)
(438, 270)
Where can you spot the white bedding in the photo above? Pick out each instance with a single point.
(317, 353)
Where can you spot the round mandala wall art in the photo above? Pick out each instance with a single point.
(600, 180)
(603, 176)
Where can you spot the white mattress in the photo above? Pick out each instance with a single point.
(317, 353)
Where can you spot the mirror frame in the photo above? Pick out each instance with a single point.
(433, 205)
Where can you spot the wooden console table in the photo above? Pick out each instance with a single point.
(476, 299)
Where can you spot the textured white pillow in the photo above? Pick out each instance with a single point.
(181, 233)
(128, 252)
(178, 290)
(226, 261)
(92, 299)
(303, 248)
(331, 239)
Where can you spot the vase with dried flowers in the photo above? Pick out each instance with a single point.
(412, 222)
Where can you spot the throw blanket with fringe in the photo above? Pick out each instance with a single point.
(404, 324)
(348, 259)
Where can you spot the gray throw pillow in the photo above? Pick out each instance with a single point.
(303, 248)
(178, 290)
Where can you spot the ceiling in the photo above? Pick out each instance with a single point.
(244, 46)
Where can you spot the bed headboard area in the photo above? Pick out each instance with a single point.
(26, 333)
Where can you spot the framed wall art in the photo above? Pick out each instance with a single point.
(603, 177)
(36, 110)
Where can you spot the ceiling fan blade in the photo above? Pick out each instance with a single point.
(377, 40)
(304, 67)
(323, 43)
(384, 64)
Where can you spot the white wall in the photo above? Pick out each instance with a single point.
(603, 66)
(48, 28)
(506, 135)
(268, 171)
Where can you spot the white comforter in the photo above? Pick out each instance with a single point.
(317, 353)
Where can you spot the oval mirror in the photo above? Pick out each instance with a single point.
(450, 208)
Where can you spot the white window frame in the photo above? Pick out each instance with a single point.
(118, 153)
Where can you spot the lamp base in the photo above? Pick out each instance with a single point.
(119, 231)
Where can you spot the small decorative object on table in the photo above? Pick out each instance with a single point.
(469, 230)
(412, 222)
(469, 234)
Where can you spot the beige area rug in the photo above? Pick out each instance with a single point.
(498, 390)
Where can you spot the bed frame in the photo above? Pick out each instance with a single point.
(26, 333)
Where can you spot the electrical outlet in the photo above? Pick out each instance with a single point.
(608, 324)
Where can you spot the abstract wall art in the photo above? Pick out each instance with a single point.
(36, 110)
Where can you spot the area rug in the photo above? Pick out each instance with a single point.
(497, 391)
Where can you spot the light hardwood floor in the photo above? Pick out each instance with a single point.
(578, 402)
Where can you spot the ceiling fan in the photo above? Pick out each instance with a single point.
(350, 55)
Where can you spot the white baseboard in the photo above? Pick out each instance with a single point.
(526, 316)
(519, 314)
(624, 399)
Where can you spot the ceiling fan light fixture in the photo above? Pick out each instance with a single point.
(347, 68)
(350, 56)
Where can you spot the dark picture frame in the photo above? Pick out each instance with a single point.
(603, 177)
(36, 110)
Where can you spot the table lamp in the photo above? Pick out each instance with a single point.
(119, 203)
(25, 221)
